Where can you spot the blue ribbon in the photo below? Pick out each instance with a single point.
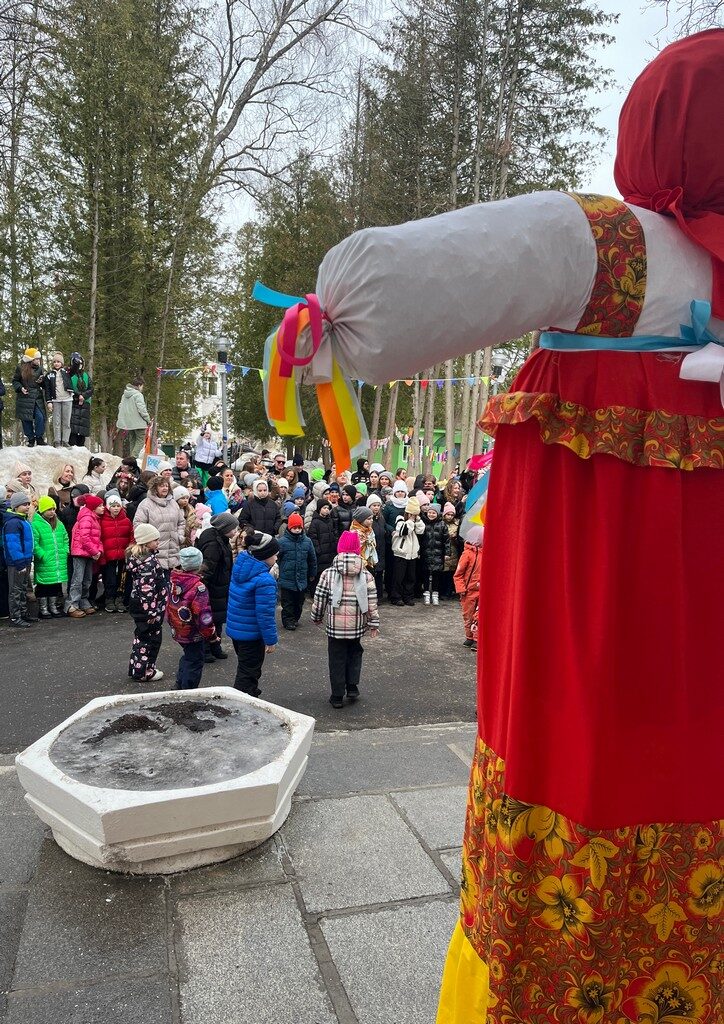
(269, 297)
(695, 336)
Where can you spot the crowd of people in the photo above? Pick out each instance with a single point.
(209, 547)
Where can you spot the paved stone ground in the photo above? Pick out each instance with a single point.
(342, 918)
(416, 672)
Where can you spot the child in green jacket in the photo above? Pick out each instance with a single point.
(51, 558)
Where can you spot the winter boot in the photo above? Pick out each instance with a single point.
(53, 608)
(43, 612)
(426, 597)
(435, 597)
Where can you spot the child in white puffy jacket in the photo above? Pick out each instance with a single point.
(405, 552)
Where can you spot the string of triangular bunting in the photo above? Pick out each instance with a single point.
(213, 369)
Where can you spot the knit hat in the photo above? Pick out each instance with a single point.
(335, 487)
(214, 483)
(448, 507)
(201, 510)
(283, 483)
(377, 467)
(362, 487)
(113, 498)
(190, 558)
(323, 503)
(422, 498)
(92, 501)
(295, 521)
(433, 507)
(317, 474)
(19, 498)
(29, 354)
(144, 533)
(78, 493)
(163, 467)
(262, 546)
(361, 514)
(298, 460)
(180, 492)
(16, 485)
(413, 507)
(374, 499)
(288, 508)
(250, 479)
(319, 488)
(300, 491)
(21, 467)
(348, 543)
(257, 484)
(399, 487)
(224, 522)
(350, 491)
(45, 503)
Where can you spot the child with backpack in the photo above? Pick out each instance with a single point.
(346, 596)
(51, 546)
(189, 615)
(467, 584)
(149, 593)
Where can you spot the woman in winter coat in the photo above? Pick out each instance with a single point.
(86, 547)
(297, 569)
(447, 588)
(93, 478)
(116, 536)
(207, 450)
(133, 416)
(82, 386)
(456, 496)
(214, 543)
(23, 475)
(50, 552)
(319, 489)
(391, 510)
(261, 511)
(28, 383)
(59, 396)
(160, 510)
(323, 535)
(62, 485)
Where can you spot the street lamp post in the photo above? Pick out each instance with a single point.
(222, 356)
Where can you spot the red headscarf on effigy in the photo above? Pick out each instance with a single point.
(670, 155)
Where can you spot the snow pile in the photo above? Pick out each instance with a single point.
(47, 462)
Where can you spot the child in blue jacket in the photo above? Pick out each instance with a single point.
(18, 556)
(297, 569)
(251, 613)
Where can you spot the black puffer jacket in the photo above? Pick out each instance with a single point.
(323, 535)
(25, 404)
(138, 493)
(378, 528)
(80, 415)
(437, 545)
(344, 517)
(261, 513)
(216, 570)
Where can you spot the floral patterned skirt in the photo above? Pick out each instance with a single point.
(592, 884)
(562, 923)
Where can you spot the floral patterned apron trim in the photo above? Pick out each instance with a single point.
(590, 927)
(619, 287)
(642, 437)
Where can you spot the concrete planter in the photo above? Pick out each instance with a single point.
(160, 830)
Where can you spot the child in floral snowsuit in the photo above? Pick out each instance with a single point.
(149, 596)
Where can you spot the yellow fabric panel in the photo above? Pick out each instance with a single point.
(464, 990)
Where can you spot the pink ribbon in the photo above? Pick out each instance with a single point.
(288, 335)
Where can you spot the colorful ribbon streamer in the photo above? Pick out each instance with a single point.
(338, 404)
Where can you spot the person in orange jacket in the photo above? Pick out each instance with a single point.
(467, 584)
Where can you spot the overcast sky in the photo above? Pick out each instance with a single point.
(639, 34)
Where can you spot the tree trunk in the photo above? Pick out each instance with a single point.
(474, 403)
(413, 459)
(465, 409)
(374, 434)
(429, 441)
(390, 423)
(484, 392)
(480, 110)
(170, 282)
(94, 271)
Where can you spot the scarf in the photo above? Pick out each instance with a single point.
(670, 153)
(360, 589)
